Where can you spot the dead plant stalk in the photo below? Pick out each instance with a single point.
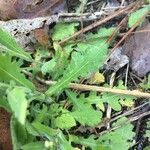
(84, 87)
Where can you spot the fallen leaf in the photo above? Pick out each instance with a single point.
(137, 47)
(97, 78)
(135, 50)
(116, 60)
(11, 9)
(7, 9)
(41, 35)
(39, 8)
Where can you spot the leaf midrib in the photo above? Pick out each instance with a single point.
(60, 83)
(13, 77)
(17, 53)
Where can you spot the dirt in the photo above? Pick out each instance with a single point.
(5, 136)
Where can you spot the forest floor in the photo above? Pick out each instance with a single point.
(74, 75)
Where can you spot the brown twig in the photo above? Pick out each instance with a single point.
(84, 87)
(96, 24)
(135, 32)
(126, 122)
(128, 33)
(124, 37)
(129, 112)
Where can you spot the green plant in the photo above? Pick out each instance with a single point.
(51, 118)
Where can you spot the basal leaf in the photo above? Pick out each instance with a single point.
(65, 121)
(63, 143)
(83, 112)
(34, 146)
(19, 134)
(114, 100)
(18, 103)
(44, 130)
(8, 44)
(82, 64)
(121, 137)
(48, 66)
(11, 71)
(88, 142)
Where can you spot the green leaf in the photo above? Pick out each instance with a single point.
(83, 112)
(106, 31)
(4, 104)
(11, 71)
(121, 137)
(34, 146)
(63, 143)
(148, 1)
(18, 103)
(146, 85)
(148, 131)
(138, 15)
(44, 130)
(61, 62)
(147, 148)
(8, 44)
(88, 142)
(40, 117)
(88, 116)
(114, 100)
(19, 134)
(101, 33)
(48, 66)
(63, 30)
(82, 63)
(65, 121)
(30, 129)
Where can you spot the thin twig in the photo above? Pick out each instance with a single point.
(127, 113)
(109, 109)
(84, 87)
(139, 116)
(126, 122)
(128, 33)
(98, 23)
(135, 32)
(127, 72)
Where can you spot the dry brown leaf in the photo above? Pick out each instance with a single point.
(7, 9)
(41, 35)
(137, 47)
(10, 9)
(135, 50)
(39, 8)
